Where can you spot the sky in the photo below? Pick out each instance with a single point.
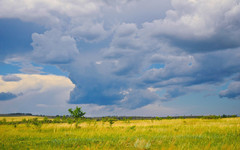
(120, 57)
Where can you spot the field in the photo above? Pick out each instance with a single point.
(165, 134)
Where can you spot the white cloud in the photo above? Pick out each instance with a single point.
(48, 13)
(89, 32)
(34, 91)
(35, 83)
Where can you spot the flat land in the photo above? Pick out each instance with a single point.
(165, 134)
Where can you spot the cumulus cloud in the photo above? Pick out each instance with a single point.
(199, 26)
(38, 94)
(188, 70)
(34, 83)
(10, 78)
(89, 32)
(49, 13)
(134, 49)
(136, 98)
(53, 48)
(7, 96)
(93, 85)
(111, 61)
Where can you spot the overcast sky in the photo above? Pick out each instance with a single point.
(120, 57)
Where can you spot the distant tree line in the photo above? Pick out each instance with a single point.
(17, 114)
(111, 120)
(77, 116)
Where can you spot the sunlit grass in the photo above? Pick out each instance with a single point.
(19, 118)
(136, 134)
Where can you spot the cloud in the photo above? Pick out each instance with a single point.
(89, 32)
(25, 65)
(30, 69)
(10, 78)
(237, 77)
(111, 61)
(187, 70)
(232, 92)
(93, 85)
(136, 98)
(16, 37)
(53, 47)
(128, 60)
(49, 13)
(204, 25)
(35, 83)
(7, 96)
(36, 91)
(154, 109)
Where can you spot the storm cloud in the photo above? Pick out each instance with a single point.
(232, 92)
(130, 62)
(7, 96)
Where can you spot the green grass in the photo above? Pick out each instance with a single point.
(138, 134)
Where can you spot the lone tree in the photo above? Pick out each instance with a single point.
(77, 113)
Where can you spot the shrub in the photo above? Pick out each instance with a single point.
(64, 118)
(132, 128)
(158, 118)
(24, 120)
(104, 119)
(57, 120)
(211, 117)
(69, 120)
(45, 120)
(4, 121)
(233, 116)
(111, 121)
(36, 123)
(77, 113)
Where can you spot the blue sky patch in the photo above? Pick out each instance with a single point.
(156, 66)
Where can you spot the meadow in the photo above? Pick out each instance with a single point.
(166, 134)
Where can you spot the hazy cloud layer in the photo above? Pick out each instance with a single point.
(131, 62)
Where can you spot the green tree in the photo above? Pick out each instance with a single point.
(64, 118)
(111, 121)
(45, 120)
(77, 113)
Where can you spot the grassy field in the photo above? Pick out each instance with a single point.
(15, 118)
(137, 134)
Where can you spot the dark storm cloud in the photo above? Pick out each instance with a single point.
(233, 91)
(196, 43)
(199, 26)
(7, 96)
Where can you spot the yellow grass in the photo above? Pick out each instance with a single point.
(138, 134)
(16, 118)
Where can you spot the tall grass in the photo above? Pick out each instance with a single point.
(135, 134)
